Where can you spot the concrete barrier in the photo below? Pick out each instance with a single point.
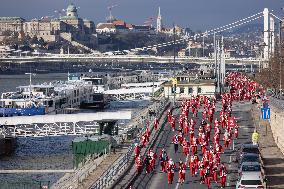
(277, 124)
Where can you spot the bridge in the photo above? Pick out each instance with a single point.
(87, 58)
(268, 48)
(60, 124)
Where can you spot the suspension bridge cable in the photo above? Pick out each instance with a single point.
(210, 32)
(275, 16)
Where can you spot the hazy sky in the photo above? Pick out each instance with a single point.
(197, 14)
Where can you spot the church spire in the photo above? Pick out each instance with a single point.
(159, 21)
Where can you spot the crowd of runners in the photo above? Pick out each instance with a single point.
(202, 139)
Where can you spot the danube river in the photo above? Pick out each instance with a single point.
(39, 153)
(8, 83)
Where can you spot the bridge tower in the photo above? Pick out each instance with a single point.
(159, 22)
(266, 33)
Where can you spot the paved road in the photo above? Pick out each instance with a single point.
(157, 179)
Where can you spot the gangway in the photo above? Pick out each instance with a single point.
(60, 124)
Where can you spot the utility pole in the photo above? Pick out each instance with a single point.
(30, 87)
(218, 65)
(203, 45)
(174, 43)
(280, 56)
(153, 89)
(175, 86)
(215, 56)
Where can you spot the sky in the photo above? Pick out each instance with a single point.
(196, 14)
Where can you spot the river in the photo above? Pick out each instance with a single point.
(8, 83)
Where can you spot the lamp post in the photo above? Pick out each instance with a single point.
(280, 56)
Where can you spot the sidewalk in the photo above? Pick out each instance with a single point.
(106, 163)
(271, 154)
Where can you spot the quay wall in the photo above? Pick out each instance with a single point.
(277, 122)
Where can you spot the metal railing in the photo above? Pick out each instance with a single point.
(119, 166)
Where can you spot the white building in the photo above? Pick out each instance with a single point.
(106, 28)
(187, 87)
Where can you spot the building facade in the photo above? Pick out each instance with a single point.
(187, 87)
(69, 27)
(13, 24)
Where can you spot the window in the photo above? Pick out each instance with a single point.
(199, 90)
(181, 90)
(190, 90)
(173, 89)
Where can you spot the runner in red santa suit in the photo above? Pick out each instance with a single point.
(191, 135)
(194, 145)
(143, 141)
(203, 143)
(207, 132)
(200, 133)
(147, 132)
(226, 139)
(192, 165)
(207, 176)
(180, 137)
(137, 150)
(192, 123)
(153, 156)
(173, 124)
(215, 171)
(164, 159)
(156, 123)
(171, 171)
(195, 112)
(201, 172)
(219, 149)
(223, 175)
(216, 123)
(185, 147)
(169, 115)
(204, 114)
(182, 168)
(139, 164)
(216, 138)
(186, 127)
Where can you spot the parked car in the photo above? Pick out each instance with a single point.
(247, 149)
(247, 167)
(251, 180)
(249, 158)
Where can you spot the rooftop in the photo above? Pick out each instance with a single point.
(105, 25)
(194, 82)
(15, 18)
